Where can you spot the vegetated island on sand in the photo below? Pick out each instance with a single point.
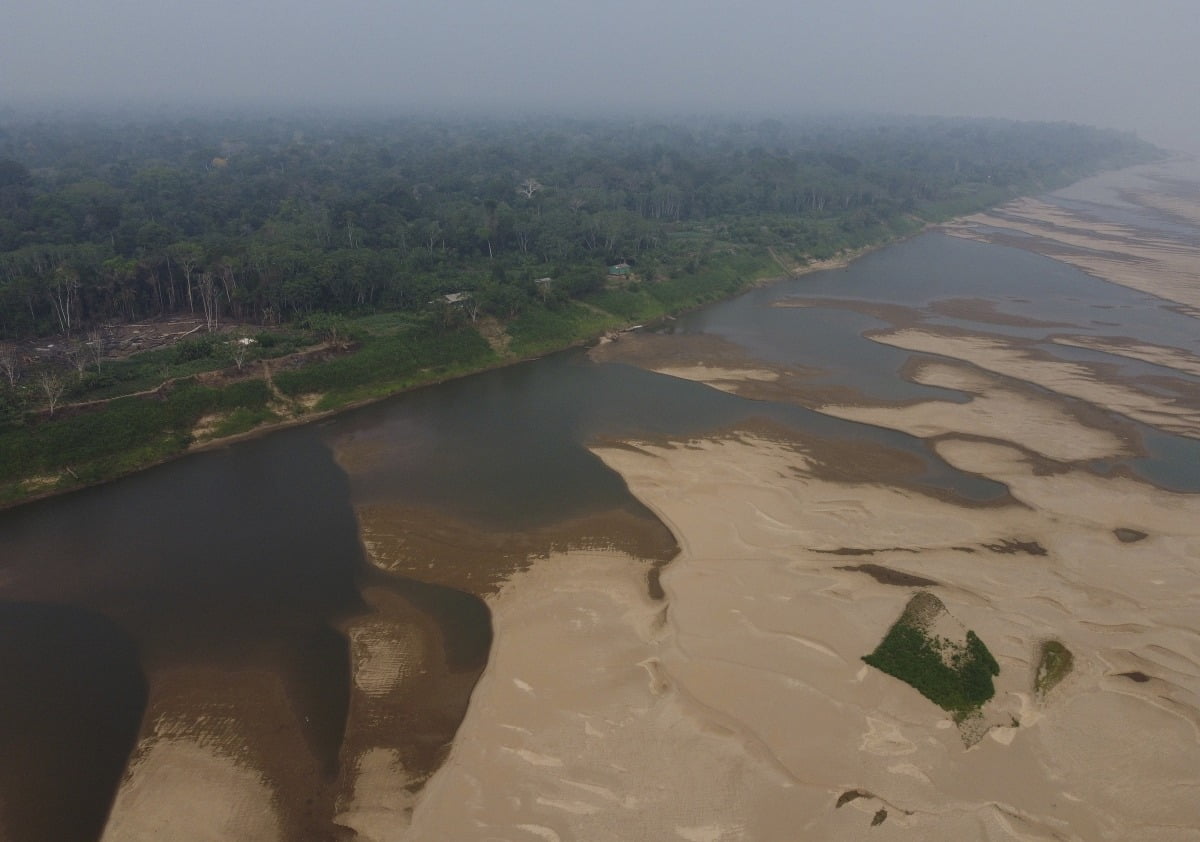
(169, 284)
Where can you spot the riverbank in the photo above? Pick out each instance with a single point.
(90, 453)
(314, 384)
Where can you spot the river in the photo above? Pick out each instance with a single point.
(175, 596)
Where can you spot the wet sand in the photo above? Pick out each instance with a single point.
(1166, 357)
(411, 680)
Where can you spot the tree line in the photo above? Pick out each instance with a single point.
(269, 219)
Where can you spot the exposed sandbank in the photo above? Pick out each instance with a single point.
(1159, 355)
(994, 411)
(1013, 358)
(743, 711)
(1167, 268)
(203, 767)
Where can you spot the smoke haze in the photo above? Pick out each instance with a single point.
(1112, 63)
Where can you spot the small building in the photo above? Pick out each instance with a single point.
(544, 283)
(621, 270)
(456, 298)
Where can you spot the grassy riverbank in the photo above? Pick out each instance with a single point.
(156, 405)
(161, 404)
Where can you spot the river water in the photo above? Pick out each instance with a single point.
(249, 557)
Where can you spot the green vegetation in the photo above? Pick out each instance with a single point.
(389, 362)
(956, 676)
(538, 329)
(1054, 663)
(121, 435)
(365, 256)
(268, 220)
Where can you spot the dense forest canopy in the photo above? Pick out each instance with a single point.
(269, 219)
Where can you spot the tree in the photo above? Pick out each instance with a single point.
(64, 293)
(95, 347)
(96, 222)
(239, 350)
(52, 387)
(528, 187)
(11, 367)
(210, 299)
(491, 225)
(119, 274)
(187, 256)
(78, 353)
(472, 306)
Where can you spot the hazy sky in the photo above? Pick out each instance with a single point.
(1130, 64)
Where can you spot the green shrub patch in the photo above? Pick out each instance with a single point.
(955, 674)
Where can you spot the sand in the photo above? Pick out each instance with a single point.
(379, 803)
(1185, 209)
(576, 730)
(1012, 358)
(1164, 356)
(1167, 268)
(739, 708)
(189, 781)
(995, 411)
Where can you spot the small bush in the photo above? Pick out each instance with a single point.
(191, 350)
(1054, 663)
(908, 653)
(539, 329)
(242, 420)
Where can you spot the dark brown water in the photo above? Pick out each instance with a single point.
(67, 728)
(248, 559)
(235, 560)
